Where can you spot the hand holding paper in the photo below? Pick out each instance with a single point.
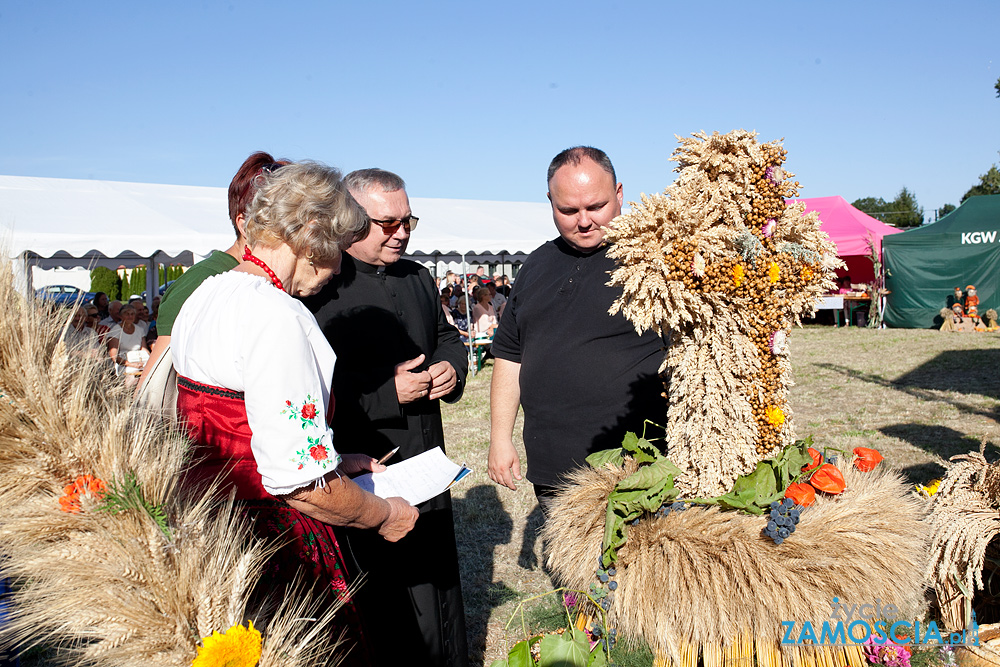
(416, 479)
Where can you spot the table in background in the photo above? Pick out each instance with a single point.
(834, 303)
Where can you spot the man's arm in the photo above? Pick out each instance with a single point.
(505, 397)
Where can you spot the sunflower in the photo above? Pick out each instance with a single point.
(238, 647)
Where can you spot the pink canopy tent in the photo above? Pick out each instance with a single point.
(850, 229)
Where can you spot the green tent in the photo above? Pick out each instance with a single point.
(925, 265)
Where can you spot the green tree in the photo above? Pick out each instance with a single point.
(989, 184)
(876, 207)
(907, 212)
(997, 86)
(103, 279)
(945, 210)
(137, 281)
(903, 211)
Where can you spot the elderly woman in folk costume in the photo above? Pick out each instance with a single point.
(254, 376)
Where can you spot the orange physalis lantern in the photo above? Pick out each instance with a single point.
(817, 460)
(828, 479)
(866, 459)
(802, 494)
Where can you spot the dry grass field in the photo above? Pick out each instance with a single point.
(917, 396)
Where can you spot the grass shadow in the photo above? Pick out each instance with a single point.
(925, 381)
(938, 440)
(959, 371)
(533, 524)
(482, 523)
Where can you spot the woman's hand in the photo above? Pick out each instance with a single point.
(356, 464)
(402, 516)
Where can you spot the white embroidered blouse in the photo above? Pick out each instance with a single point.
(239, 332)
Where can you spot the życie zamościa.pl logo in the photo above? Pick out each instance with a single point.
(873, 624)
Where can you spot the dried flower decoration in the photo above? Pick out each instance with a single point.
(237, 647)
(775, 416)
(779, 342)
(773, 272)
(768, 228)
(84, 485)
(738, 274)
(698, 265)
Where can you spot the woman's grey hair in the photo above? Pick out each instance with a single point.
(305, 205)
(127, 308)
(374, 180)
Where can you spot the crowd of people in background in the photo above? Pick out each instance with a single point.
(480, 296)
(123, 332)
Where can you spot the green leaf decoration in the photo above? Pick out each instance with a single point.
(600, 459)
(597, 658)
(646, 476)
(565, 650)
(642, 450)
(520, 655)
(126, 495)
(652, 485)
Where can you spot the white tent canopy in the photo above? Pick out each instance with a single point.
(54, 222)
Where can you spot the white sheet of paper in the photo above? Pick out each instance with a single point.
(416, 479)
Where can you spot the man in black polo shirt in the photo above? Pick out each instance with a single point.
(583, 377)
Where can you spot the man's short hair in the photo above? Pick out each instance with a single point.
(374, 179)
(576, 154)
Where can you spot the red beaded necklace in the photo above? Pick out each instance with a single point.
(250, 257)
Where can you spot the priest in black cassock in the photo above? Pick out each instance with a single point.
(397, 356)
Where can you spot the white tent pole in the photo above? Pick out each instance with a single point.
(468, 314)
(29, 279)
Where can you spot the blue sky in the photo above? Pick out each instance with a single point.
(472, 99)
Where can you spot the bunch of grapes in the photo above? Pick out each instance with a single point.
(603, 592)
(782, 520)
(607, 641)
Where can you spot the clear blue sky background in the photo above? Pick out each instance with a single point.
(472, 99)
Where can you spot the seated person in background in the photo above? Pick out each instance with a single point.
(445, 301)
(101, 302)
(80, 337)
(460, 316)
(497, 299)
(484, 315)
(844, 285)
(128, 336)
(114, 315)
(93, 317)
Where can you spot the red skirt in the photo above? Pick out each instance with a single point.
(216, 420)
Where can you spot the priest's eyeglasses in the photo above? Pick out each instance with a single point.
(390, 226)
